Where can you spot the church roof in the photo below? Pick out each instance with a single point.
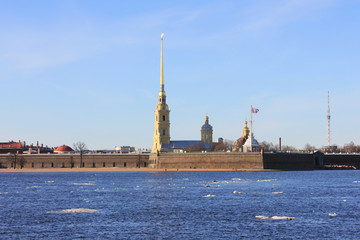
(184, 144)
(254, 142)
(206, 126)
(63, 148)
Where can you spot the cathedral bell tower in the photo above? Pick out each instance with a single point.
(206, 131)
(162, 113)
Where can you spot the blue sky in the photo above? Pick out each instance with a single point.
(89, 70)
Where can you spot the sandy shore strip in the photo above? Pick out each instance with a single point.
(39, 170)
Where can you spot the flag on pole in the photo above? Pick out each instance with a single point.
(254, 110)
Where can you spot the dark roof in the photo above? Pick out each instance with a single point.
(184, 144)
(206, 127)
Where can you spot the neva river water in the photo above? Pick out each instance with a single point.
(180, 205)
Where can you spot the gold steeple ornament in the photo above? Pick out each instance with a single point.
(245, 131)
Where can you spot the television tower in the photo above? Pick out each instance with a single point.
(328, 118)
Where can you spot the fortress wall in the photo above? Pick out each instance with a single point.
(342, 159)
(66, 160)
(289, 161)
(212, 160)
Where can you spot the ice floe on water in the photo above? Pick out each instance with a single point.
(356, 181)
(75, 210)
(332, 214)
(83, 184)
(274, 218)
(50, 181)
(32, 187)
(236, 192)
(277, 192)
(267, 180)
(209, 196)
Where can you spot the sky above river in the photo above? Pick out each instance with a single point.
(90, 70)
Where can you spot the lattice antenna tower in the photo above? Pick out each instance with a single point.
(328, 118)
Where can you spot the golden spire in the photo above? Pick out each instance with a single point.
(162, 66)
(245, 130)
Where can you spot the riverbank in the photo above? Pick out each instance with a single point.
(55, 170)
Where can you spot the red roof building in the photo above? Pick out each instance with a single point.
(63, 149)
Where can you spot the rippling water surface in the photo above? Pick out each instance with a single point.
(180, 205)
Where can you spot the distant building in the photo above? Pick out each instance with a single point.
(239, 143)
(64, 150)
(124, 149)
(22, 148)
(251, 145)
(12, 147)
(329, 149)
(207, 131)
(244, 143)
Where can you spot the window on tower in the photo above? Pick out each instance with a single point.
(164, 132)
(163, 117)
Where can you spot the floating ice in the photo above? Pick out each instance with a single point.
(75, 210)
(236, 179)
(267, 180)
(32, 187)
(209, 195)
(83, 184)
(356, 181)
(277, 192)
(274, 218)
(236, 192)
(332, 214)
(50, 181)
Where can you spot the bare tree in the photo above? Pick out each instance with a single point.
(21, 161)
(80, 147)
(14, 159)
(309, 148)
(287, 148)
(195, 148)
(269, 146)
(71, 161)
(351, 147)
(228, 144)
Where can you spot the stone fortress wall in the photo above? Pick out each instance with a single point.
(74, 160)
(208, 160)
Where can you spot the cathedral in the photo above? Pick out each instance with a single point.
(161, 140)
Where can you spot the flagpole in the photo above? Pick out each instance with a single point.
(251, 129)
